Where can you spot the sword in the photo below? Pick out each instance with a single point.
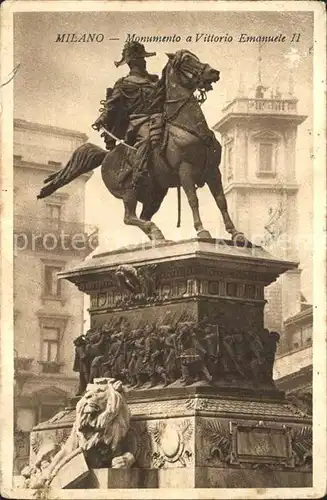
(118, 141)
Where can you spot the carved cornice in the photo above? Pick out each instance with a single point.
(230, 119)
(157, 285)
(225, 407)
(195, 254)
(290, 188)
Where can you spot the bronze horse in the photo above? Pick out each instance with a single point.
(190, 153)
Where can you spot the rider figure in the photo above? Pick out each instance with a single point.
(133, 108)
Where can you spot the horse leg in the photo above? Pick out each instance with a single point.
(216, 188)
(151, 207)
(187, 182)
(131, 219)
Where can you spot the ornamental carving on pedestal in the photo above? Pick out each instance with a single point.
(61, 435)
(268, 445)
(219, 437)
(127, 286)
(155, 354)
(36, 442)
(261, 444)
(172, 443)
(302, 446)
(139, 444)
(138, 285)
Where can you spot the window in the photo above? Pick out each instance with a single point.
(268, 146)
(296, 340)
(54, 211)
(53, 215)
(266, 151)
(50, 350)
(52, 286)
(232, 289)
(301, 338)
(52, 328)
(307, 335)
(50, 345)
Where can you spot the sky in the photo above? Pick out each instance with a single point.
(62, 84)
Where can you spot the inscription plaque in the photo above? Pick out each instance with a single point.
(262, 444)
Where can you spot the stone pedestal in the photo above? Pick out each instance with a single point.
(181, 281)
(220, 421)
(197, 437)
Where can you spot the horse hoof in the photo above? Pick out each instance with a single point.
(204, 234)
(239, 239)
(156, 235)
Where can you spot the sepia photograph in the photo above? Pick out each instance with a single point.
(163, 239)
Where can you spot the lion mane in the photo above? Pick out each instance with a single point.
(102, 417)
(109, 422)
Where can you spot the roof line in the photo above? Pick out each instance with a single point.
(20, 123)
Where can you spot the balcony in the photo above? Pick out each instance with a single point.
(51, 366)
(254, 108)
(270, 106)
(45, 234)
(22, 371)
(22, 365)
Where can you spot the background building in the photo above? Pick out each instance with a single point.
(258, 133)
(48, 314)
(293, 366)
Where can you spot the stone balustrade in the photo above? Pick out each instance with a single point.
(246, 105)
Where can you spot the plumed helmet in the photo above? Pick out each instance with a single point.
(133, 50)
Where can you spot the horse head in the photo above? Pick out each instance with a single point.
(191, 72)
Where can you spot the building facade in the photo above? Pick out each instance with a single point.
(293, 365)
(258, 134)
(49, 235)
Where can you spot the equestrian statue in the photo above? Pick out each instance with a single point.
(156, 138)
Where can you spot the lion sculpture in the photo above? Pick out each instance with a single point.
(100, 428)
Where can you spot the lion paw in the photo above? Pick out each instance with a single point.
(124, 461)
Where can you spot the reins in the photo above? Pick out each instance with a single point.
(183, 101)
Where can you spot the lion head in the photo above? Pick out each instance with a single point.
(102, 414)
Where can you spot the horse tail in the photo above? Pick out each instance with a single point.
(178, 206)
(85, 158)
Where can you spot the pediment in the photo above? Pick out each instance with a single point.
(50, 394)
(266, 135)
